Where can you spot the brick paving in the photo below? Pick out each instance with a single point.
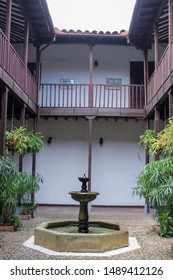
(139, 225)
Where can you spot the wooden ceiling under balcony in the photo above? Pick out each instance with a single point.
(34, 11)
(146, 13)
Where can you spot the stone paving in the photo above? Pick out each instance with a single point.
(139, 225)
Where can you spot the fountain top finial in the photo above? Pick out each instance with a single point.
(84, 180)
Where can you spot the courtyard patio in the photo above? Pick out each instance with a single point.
(150, 246)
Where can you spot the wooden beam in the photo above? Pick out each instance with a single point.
(4, 103)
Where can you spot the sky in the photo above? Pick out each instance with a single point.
(99, 15)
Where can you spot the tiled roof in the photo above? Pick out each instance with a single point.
(87, 32)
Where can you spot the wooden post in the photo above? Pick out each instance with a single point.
(33, 162)
(90, 120)
(22, 122)
(170, 104)
(4, 103)
(38, 58)
(25, 51)
(91, 77)
(8, 29)
(145, 76)
(156, 126)
(156, 45)
(147, 159)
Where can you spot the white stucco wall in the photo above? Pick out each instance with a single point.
(114, 166)
(72, 62)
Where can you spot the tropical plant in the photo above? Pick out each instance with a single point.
(155, 182)
(14, 187)
(8, 188)
(21, 141)
(161, 143)
(28, 184)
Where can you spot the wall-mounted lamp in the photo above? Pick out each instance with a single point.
(49, 140)
(101, 142)
(96, 64)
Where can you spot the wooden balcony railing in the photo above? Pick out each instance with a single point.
(96, 96)
(15, 68)
(161, 73)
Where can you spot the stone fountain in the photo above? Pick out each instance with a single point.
(83, 197)
(82, 235)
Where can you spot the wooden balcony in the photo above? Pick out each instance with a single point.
(98, 100)
(15, 74)
(161, 79)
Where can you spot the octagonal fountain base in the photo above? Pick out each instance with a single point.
(63, 236)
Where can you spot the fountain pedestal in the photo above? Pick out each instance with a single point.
(83, 197)
(83, 218)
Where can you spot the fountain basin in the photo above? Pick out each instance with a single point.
(113, 236)
(83, 196)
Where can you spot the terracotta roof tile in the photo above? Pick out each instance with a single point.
(87, 32)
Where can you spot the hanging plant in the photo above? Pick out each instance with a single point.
(34, 142)
(21, 141)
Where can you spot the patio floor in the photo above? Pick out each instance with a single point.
(151, 245)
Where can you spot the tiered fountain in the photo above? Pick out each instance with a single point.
(82, 235)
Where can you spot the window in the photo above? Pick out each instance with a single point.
(67, 81)
(113, 81)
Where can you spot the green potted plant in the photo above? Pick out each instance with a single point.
(8, 192)
(21, 141)
(28, 184)
(155, 182)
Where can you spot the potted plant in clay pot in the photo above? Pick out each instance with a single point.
(155, 182)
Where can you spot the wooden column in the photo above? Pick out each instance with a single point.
(8, 29)
(25, 51)
(91, 76)
(171, 104)
(147, 126)
(145, 75)
(4, 103)
(90, 123)
(33, 161)
(22, 123)
(156, 45)
(38, 58)
(147, 159)
(156, 126)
